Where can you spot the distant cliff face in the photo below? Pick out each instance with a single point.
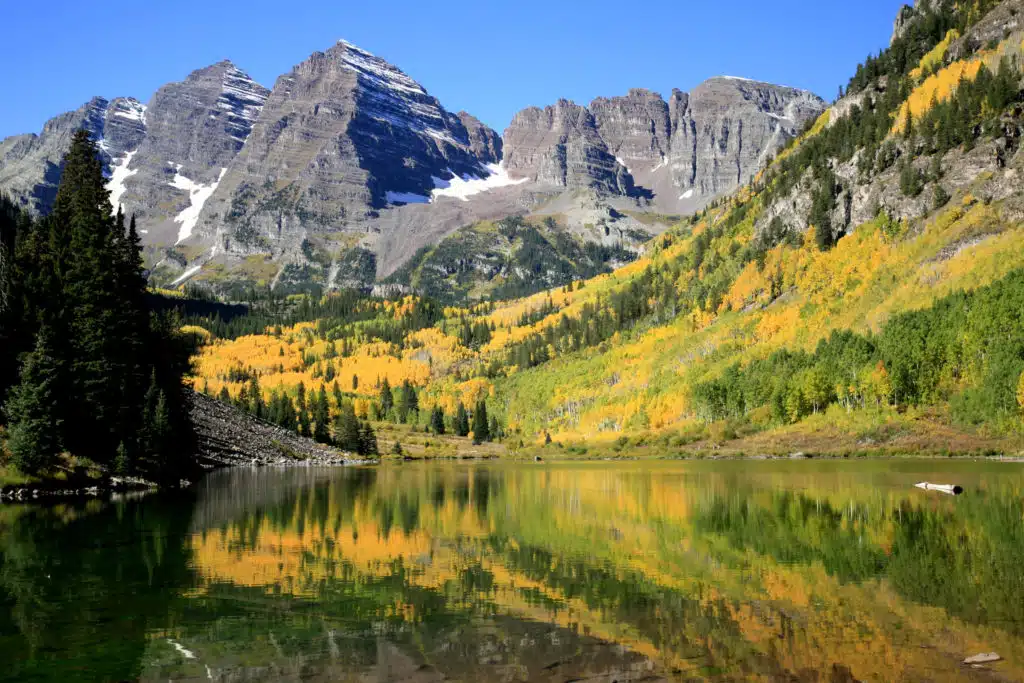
(162, 158)
(707, 142)
(343, 135)
(30, 164)
(561, 146)
(349, 166)
(193, 131)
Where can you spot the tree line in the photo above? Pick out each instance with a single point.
(87, 368)
(967, 348)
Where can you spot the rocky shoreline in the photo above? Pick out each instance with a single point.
(226, 437)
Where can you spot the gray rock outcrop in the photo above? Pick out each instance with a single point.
(636, 127)
(560, 145)
(30, 165)
(692, 148)
(194, 129)
(343, 135)
(227, 436)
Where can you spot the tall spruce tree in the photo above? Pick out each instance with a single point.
(437, 420)
(78, 274)
(31, 410)
(346, 428)
(321, 417)
(481, 426)
(387, 400)
(461, 420)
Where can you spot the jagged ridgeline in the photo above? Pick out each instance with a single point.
(349, 173)
(86, 371)
(860, 292)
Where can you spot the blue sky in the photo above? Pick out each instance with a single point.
(489, 58)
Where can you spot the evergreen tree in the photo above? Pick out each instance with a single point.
(338, 396)
(31, 410)
(437, 420)
(461, 420)
(355, 382)
(368, 441)
(408, 401)
(346, 429)
(387, 401)
(321, 417)
(305, 428)
(256, 404)
(481, 426)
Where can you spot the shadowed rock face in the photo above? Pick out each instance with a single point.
(560, 145)
(343, 135)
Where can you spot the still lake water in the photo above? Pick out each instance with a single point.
(777, 571)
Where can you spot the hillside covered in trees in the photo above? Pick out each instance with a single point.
(87, 371)
(867, 285)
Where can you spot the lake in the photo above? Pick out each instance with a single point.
(830, 571)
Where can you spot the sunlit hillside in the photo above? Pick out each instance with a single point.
(786, 309)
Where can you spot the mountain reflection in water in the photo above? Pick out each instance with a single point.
(599, 572)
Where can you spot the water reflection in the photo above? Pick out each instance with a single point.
(723, 571)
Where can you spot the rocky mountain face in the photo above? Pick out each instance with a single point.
(694, 147)
(30, 165)
(342, 136)
(348, 167)
(560, 145)
(163, 158)
(193, 131)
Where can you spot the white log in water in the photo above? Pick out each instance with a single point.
(951, 489)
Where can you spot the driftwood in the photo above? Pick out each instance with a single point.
(951, 489)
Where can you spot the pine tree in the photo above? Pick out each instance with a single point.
(256, 404)
(368, 441)
(461, 420)
(481, 427)
(437, 420)
(346, 428)
(408, 402)
(31, 409)
(321, 417)
(387, 401)
(355, 382)
(338, 396)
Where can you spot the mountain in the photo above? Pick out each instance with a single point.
(348, 168)
(677, 154)
(163, 158)
(861, 294)
(30, 165)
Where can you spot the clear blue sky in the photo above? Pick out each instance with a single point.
(487, 57)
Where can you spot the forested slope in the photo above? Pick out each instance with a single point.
(867, 285)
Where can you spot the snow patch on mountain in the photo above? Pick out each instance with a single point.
(198, 194)
(466, 186)
(186, 275)
(132, 109)
(241, 99)
(686, 195)
(118, 175)
(393, 97)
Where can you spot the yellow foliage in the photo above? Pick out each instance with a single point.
(936, 88)
(935, 56)
(1020, 392)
